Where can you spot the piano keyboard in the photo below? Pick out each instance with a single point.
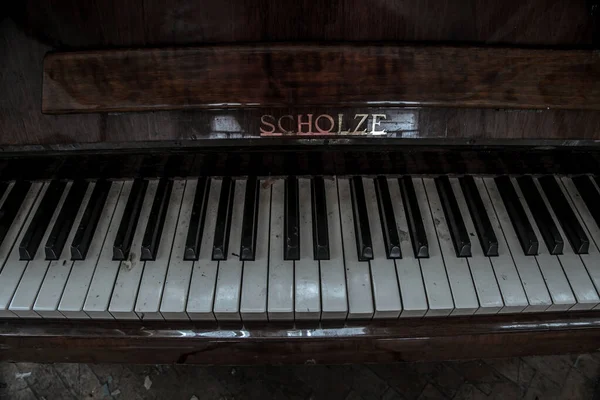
(297, 248)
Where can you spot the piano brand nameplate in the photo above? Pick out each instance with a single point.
(311, 124)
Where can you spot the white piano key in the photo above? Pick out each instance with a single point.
(408, 269)
(126, 287)
(105, 273)
(488, 292)
(147, 305)
(204, 273)
(35, 271)
(574, 291)
(437, 286)
(586, 220)
(12, 267)
(457, 268)
(177, 282)
(10, 186)
(386, 293)
(358, 275)
(280, 299)
(253, 303)
(506, 273)
(334, 296)
(46, 303)
(307, 288)
(529, 272)
(80, 277)
(229, 275)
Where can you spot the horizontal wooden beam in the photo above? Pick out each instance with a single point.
(292, 75)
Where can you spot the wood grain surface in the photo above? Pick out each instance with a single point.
(293, 75)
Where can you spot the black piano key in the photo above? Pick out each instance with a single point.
(122, 244)
(388, 219)
(413, 216)
(364, 246)
(156, 220)
(589, 194)
(11, 206)
(87, 227)
(483, 226)
(36, 229)
(250, 220)
(196, 229)
(565, 215)
(543, 219)
(223, 224)
(516, 213)
(291, 241)
(64, 221)
(456, 225)
(319, 223)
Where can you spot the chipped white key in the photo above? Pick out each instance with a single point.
(46, 303)
(13, 268)
(386, 293)
(334, 297)
(151, 287)
(204, 272)
(79, 280)
(408, 269)
(280, 300)
(253, 303)
(358, 276)
(488, 292)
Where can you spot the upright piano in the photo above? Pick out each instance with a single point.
(251, 182)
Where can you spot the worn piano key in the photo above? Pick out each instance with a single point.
(223, 226)
(253, 303)
(541, 215)
(578, 292)
(229, 277)
(334, 296)
(291, 240)
(11, 206)
(414, 218)
(319, 215)
(589, 195)
(62, 227)
(196, 229)
(80, 277)
(522, 228)
(53, 285)
(35, 269)
(529, 272)
(156, 220)
(89, 221)
(307, 291)
(147, 305)
(454, 221)
(358, 277)
(129, 221)
(565, 215)
(127, 282)
(250, 220)
(12, 267)
(387, 220)
(457, 268)
(36, 229)
(479, 216)
(204, 272)
(386, 292)
(364, 245)
(488, 292)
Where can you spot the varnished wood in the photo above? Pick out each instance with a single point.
(402, 340)
(271, 75)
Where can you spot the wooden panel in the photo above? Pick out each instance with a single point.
(406, 340)
(297, 75)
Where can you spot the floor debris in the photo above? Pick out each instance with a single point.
(147, 383)
(115, 393)
(22, 375)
